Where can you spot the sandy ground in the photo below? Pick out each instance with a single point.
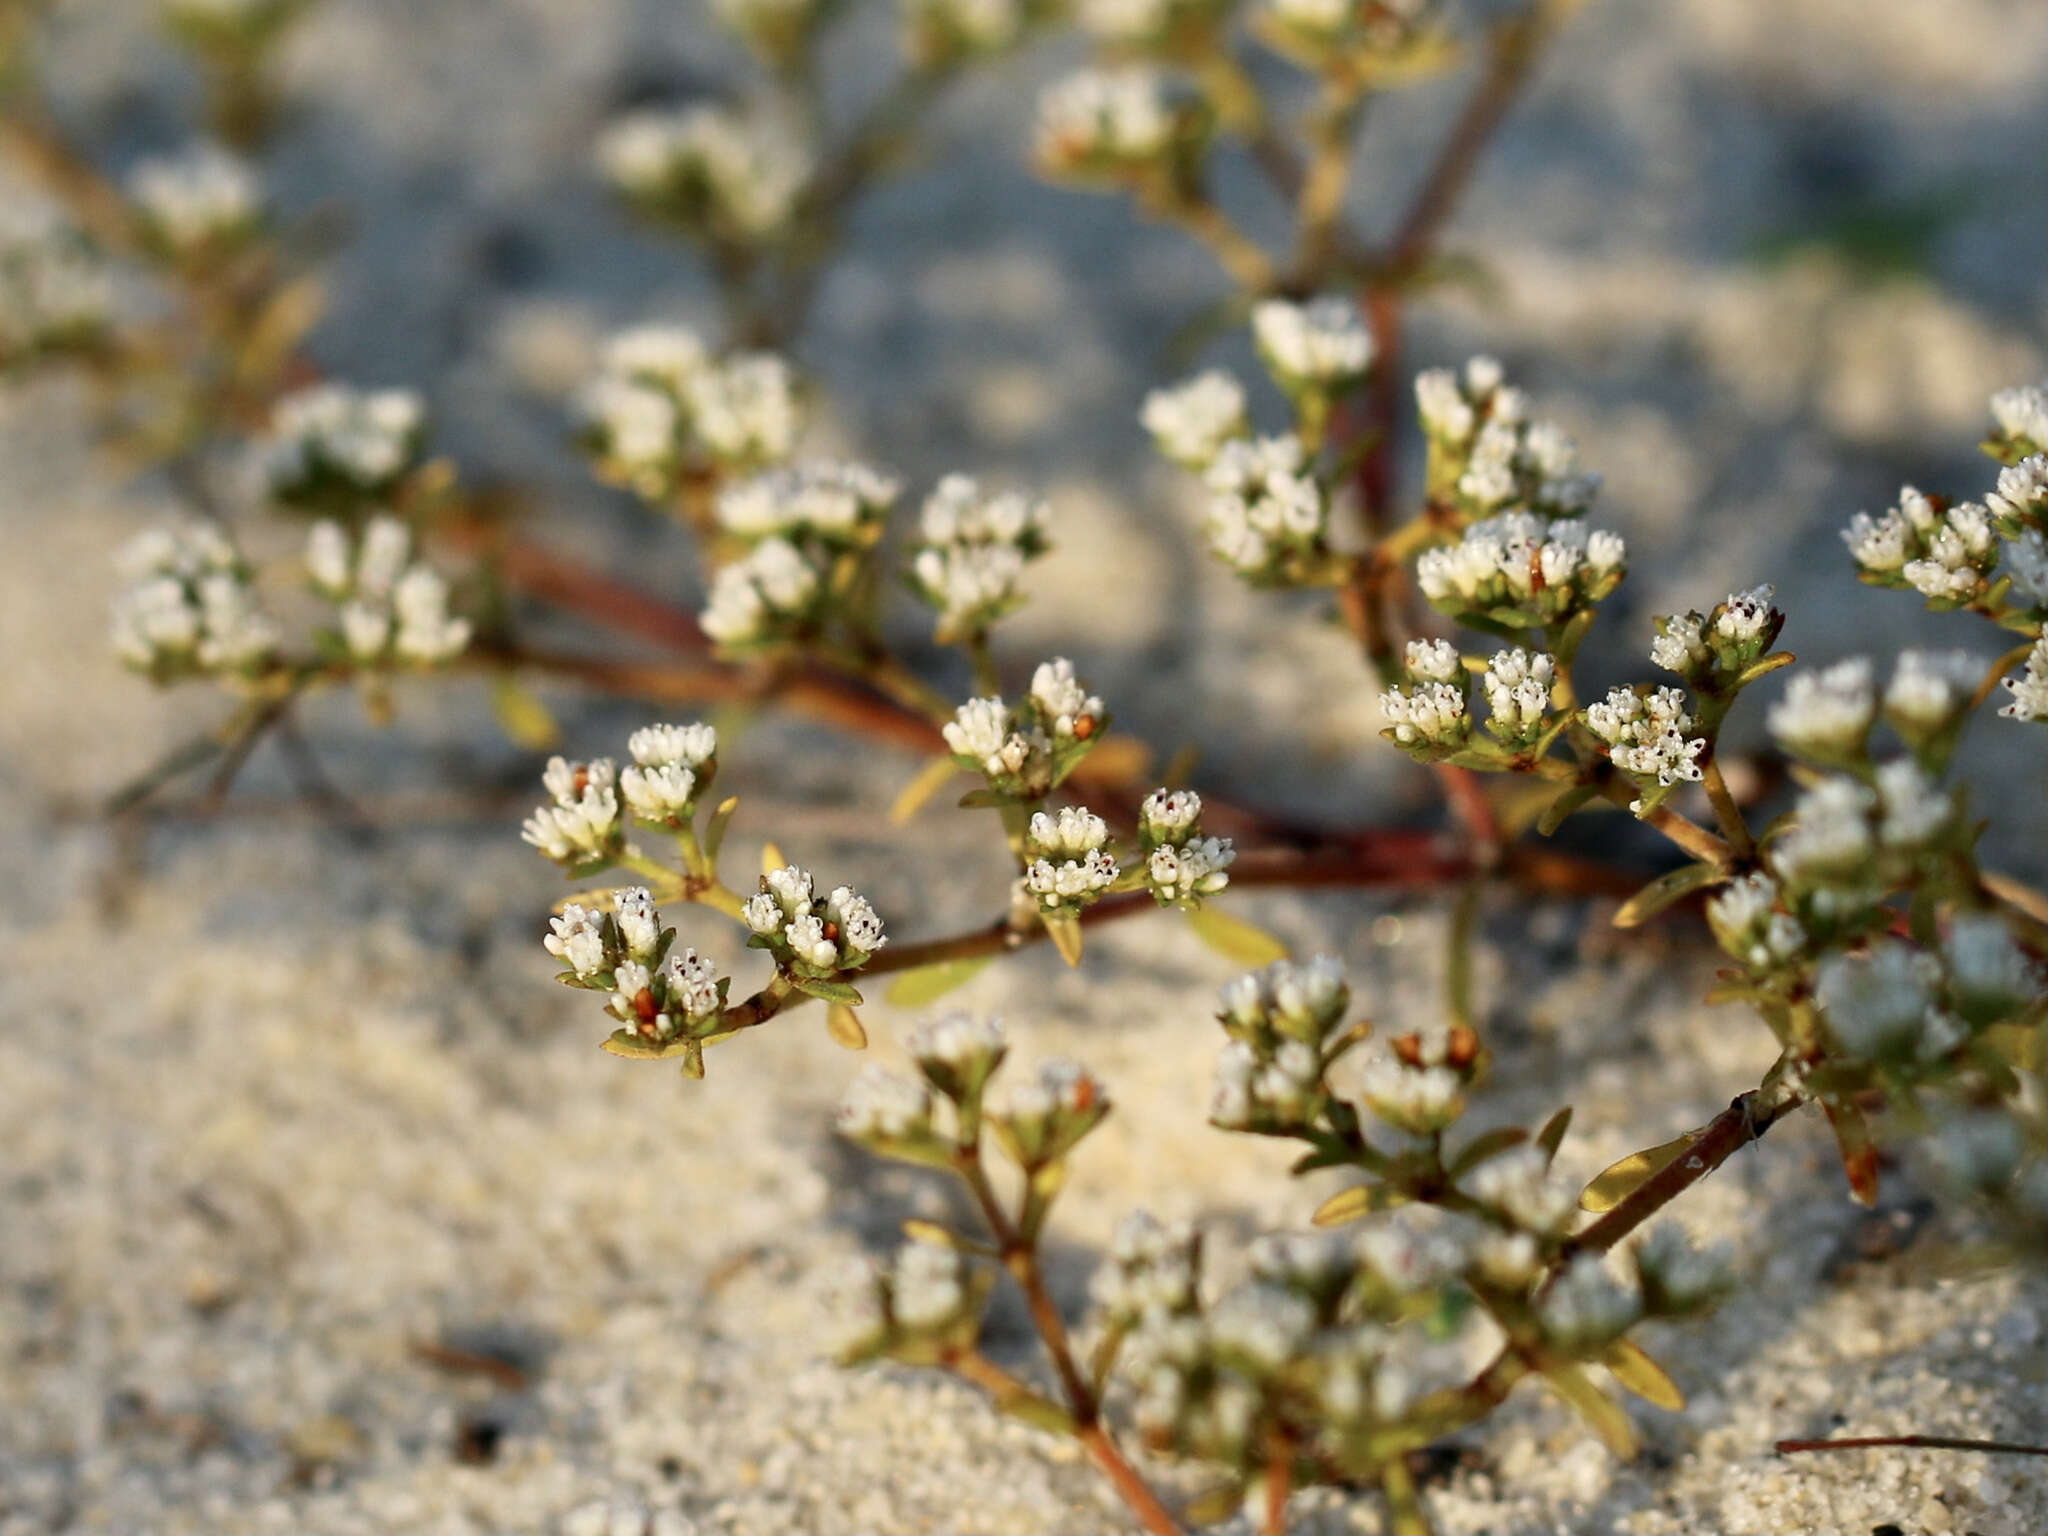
(289, 1106)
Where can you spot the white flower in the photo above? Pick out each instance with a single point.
(1830, 836)
(1434, 661)
(189, 603)
(885, 1106)
(1120, 114)
(1746, 617)
(1989, 974)
(1063, 701)
(1323, 342)
(751, 598)
(661, 793)
(577, 939)
(979, 728)
(667, 356)
(1279, 1089)
(745, 409)
(1168, 813)
(680, 746)
(1416, 1099)
(1676, 1276)
(1264, 503)
(1961, 550)
(1184, 871)
(54, 288)
(1878, 1004)
(833, 500)
(1682, 646)
(1151, 1272)
(637, 424)
(197, 196)
(1883, 544)
(366, 439)
(692, 984)
(958, 1044)
(1915, 808)
(1745, 921)
(1445, 412)
(1503, 560)
(741, 172)
(959, 512)
(2029, 693)
(366, 631)
(935, 28)
(1431, 714)
(1647, 734)
(1263, 1326)
(1826, 714)
(1929, 690)
(1067, 865)
(2022, 412)
(2022, 493)
(639, 922)
(1587, 1305)
(1521, 1185)
(763, 914)
(427, 633)
(583, 821)
(1191, 421)
(1517, 684)
(929, 1287)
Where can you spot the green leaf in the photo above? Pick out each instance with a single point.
(844, 1025)
(1235, 939)
(830, 991)
(1064, 929)
(1551, 1137)
(1764, 668)
(1357, 1201)
(522, 717)
(929, 781)
(928, 983)
(623, 1042)
(1599, 1410)
(1666, 891)
(1642, 1375)
(1616, 1182)
(1480, 1148)
(985, 799)
(714, 829)
(1573, 797)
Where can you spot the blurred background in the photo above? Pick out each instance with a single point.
(293, 1130)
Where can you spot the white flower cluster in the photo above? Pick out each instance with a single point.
(883, 1108)
(2030, 691)
(1714, 649)
(1826, 716)
(333, 445)
(937, 32)
(1066, 867)
(1153, 1271)
(2021, 496)
(189, 606)
(1521, 565)
(764, 598)
(1930, 692)
(924, 1302)
(1521, 1188)
(672, 767)
(1105, 120)
(1191, 421)
(1646, 736)
(2022, 416)
(392, 607)
(1182, 865)
(1269, 1078)
(1945, 555)
(812, 935)
(1045, 1116)
(1990, 978)
(580, 826)
(1885, 1003)
(1486, 451)
(971, 552)
(1748, 924)
(957, 1052)
(1674, 1276)
(1417, 1082)
(55, 291)
(836, 503)
(1426, 716)
(1313, 27)
(1268, 514)
(655, 995)
(1517, 683)
(198, 199)
(708, 168)
(662, 405)
(1319, 345)
(1028, 750)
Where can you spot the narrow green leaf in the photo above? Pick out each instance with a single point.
(1356, 1201)
(1551, 1137)
(929, 781)
(1573, 797)
(984, 799)
(1616, 1182)
(714, 829)
(525, 721)
(1667, 890)
(844, 1025)
(1764, 667)
(1235, 939)
(830, 991)
(928, 983)
(1606, 1416)
(1064, 929)
(623, 1042)
(1641, 1375)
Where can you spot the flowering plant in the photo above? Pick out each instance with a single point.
(1899, 981)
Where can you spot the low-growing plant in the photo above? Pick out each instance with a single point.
(1900, 979)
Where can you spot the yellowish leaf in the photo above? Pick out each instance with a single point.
(928, 983)
(1618, 1181)
(1234, 938)
(772, 859)
(1064, 929)
(845, 1027)
(929, 781)
(523, 718)
(1642, 1375)
(1607, 1417)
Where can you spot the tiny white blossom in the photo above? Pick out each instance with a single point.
(2022, 412)
(752, 598)
(708, 162)
(1914, 808)
(1065, 703)
(1262, 1326)
(1433, 661)
(1929, 690)
(1518, 684)
(679, 746)
(1184, 871)
(1879, 1003)
(1169, 812)
(1323, 342)
(660, 793)
(330, 432)
(2022, 493)
(576, 938)
(1647, 734)
(885, 1105)
(929, 1287)
(196, 197)
(1430, 714)
(1264, 503)
(668, 356)
(1587, 1305)
(1193, 420)
(1522, 1187)
(745, 409)
(831, 499)
(1830, 838)
(1095, 115)
(2029, 692)
(639, 922)
(1826, 714)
